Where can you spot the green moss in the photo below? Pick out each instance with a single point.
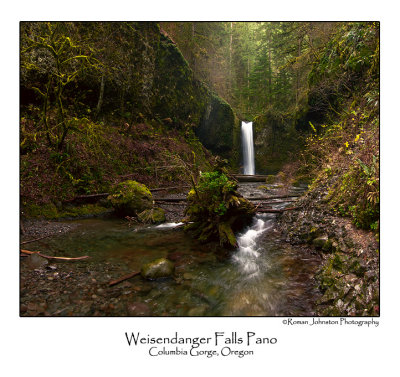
(270, 178)
(50, 211)
(84, 211)
(152, 216)
(130, 198)
(47, 211)
(226, 234)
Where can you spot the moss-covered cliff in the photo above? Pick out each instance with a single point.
(276, 141)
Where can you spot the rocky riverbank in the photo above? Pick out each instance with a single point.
(349, 276)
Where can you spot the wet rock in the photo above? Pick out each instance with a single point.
(320, 242)
(159, 268)
(152, 216)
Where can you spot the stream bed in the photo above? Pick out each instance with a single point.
(264, 276)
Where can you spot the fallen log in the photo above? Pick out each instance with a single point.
(174, 200)
(51, 257)
(94, 197)
(168, 188)
(249, 178)
(278, 202)
(170, 203)
(274, 197)
(87, 198)
(123, 278)
(270, 210)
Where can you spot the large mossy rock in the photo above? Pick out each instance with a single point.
(159, 268)
(216, 210)
(129, 198)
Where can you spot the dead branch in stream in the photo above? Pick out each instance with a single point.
(123, 278)
(36, 239)
(51, 257)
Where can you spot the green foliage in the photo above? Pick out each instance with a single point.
(353, 48)
(357, 195)
(215, 185)
(346, 63)
(103, 100)
(51, 55)
(215, 210)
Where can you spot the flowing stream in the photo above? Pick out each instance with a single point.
(263, 277)
(248, 148)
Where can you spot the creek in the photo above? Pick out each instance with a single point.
(264, 276)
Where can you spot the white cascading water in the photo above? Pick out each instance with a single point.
(248, 251)
(248, 148)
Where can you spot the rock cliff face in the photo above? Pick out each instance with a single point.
(168, 90)
(349, 276)
(275, 141)
(217, 127)
(186, 99)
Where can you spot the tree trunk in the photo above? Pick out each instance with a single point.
(100, 101)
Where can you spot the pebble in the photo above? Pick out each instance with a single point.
(138, 309)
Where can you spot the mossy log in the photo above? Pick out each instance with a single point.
(250, 178)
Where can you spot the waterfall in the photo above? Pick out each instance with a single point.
(248, 252)
(248, 148)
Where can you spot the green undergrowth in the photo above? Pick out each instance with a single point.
(50, 211)
(216, 210)
(341, 156)
(96, 156)
(348, 153)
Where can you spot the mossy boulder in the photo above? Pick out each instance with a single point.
(152, 216)
(129, 198)
(159, 268)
